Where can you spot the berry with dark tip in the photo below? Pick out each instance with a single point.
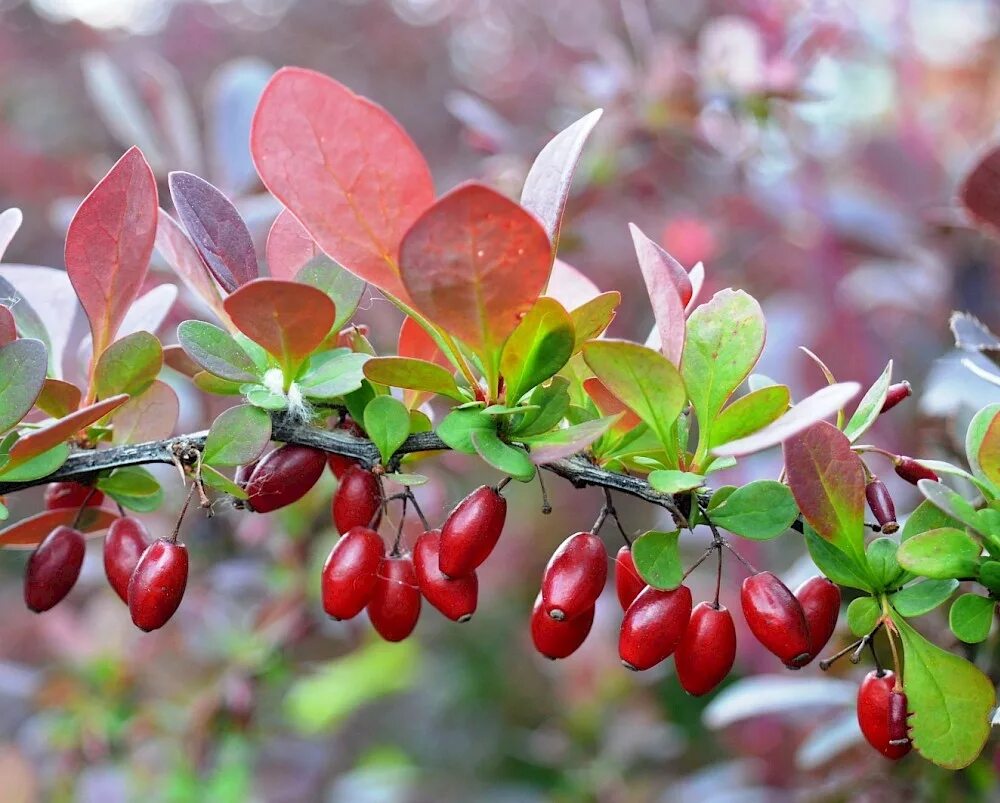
(776, 619)
(455, 597)
(554, 639)
(653, 627)
(575, 576)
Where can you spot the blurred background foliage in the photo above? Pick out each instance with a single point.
(805, 151)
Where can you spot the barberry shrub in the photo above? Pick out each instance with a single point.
(502, 355)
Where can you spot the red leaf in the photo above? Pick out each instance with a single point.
(570, 287)
(150, 416)
(109, 242)
(181, 255)
(288, 319)
(31, 531)
(827, 479)
(61, 430)
(344, 167)
(216, 230)
(474, 263)
(669, 291)
(8, 328)
(609, 404)
(980, 191)
(289, 247)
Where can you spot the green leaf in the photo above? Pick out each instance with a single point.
(862, 615)
(844, 570)
(881, 555)
(975, 435)
(22, 376)
(657, 558)
(357, 400)
(593, 317)
(988, 456)
(541, 344)
(457, 427)
(724, 339)
(644, 380)
(266, 399)
(221, 482)
(387, 422)
(750, 413)
(989, 575)
(759, 510)
(565, 441)
(41, 465)
(215, 351)
(870, 406)
(128, 365)
(344, 289)
(411, 480)
(210, 383)
(133, 487)
(948, 501)
(926, 517)
(551, 401)
(238, 436)
(502, 456)
(720, 495)
(942, 554)
(413, 374)
(670, 481)
(950, 700)
(332, 374)
(922, 597)
(971, 617)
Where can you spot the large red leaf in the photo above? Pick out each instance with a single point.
(288, 319)
(216, 230)
(109, 242)
(827, 479)
(61, 430)
(474, 263)
(669, 290)
(344, 167)
(289, 247)
(31, 531)
(181, 255)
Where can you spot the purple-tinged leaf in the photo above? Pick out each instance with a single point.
(560, 443)
(546, 186)
(819, 405)
(216, 230)
(180, 254)
(669, 290)
(10, 222)
(289, 247)
(22, 376)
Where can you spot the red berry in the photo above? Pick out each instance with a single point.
(283, 476)
(358, 500)
(157, 585)
(340, 463)
(124, 544)
(628, 582)
(243, 474)
(350, 573)
(912, 471)
(881, 505)
(776, 619)
(455, 597)
(555, 639)
(653, 626)
(707, 650)
(471, 531)
(59, 495)
(820, 601)
(882, 714)
(395, 605)
(575, 576)
(53, 568)
(896, 394)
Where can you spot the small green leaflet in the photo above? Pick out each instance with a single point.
(216, 351)
(971, 617)
(862, 615)
(881, 555)
(128, 365)
(750, 413)
(941, 553)
(457, 427)
(835, 564)
(413, 374)
(133, 487)
(387, 422)
(541, 344)
(759, 510)
(922, 597)
(502, 456)
(332, 374)
(870, 406)
(238, 436)
(221, 482)
(657, 558)
(40, 465)
(671, 481)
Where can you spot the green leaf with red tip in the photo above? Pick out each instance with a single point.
(984, 459)
(644, 380)
(289, 320)
(30, 532)
(216, 351)
(474, 263)
(502, 456)
(22, 377)
(725, 337)
(109, 243)
(62, 429)
(658, 560)
(239, 435)
(870, 406)
(58, 398)
(592, 318)
(828, 481)
(535, 351)
(344, 167)
(949, 699)
(387, 422)
(413, 374)
(128, 365)
(750, 413)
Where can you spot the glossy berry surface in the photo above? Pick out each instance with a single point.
(897, 392)
(53, 568)
(653, 627)
(60, 495)
(882, 715)
(340, 463)
(912, 471)
(708, 649)
(776, 619)
(880, 503)
(157, 585)
(471, 531)
(350, 573)
(628, 582)
(575, 576)
(455, 597)
(395, 605)
(357, 501)
(555, 639)
(820, 601)
(124, 544)
(284, 476)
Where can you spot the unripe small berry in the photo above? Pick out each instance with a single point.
(881, 505)
(912, 471)
(896, 394)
